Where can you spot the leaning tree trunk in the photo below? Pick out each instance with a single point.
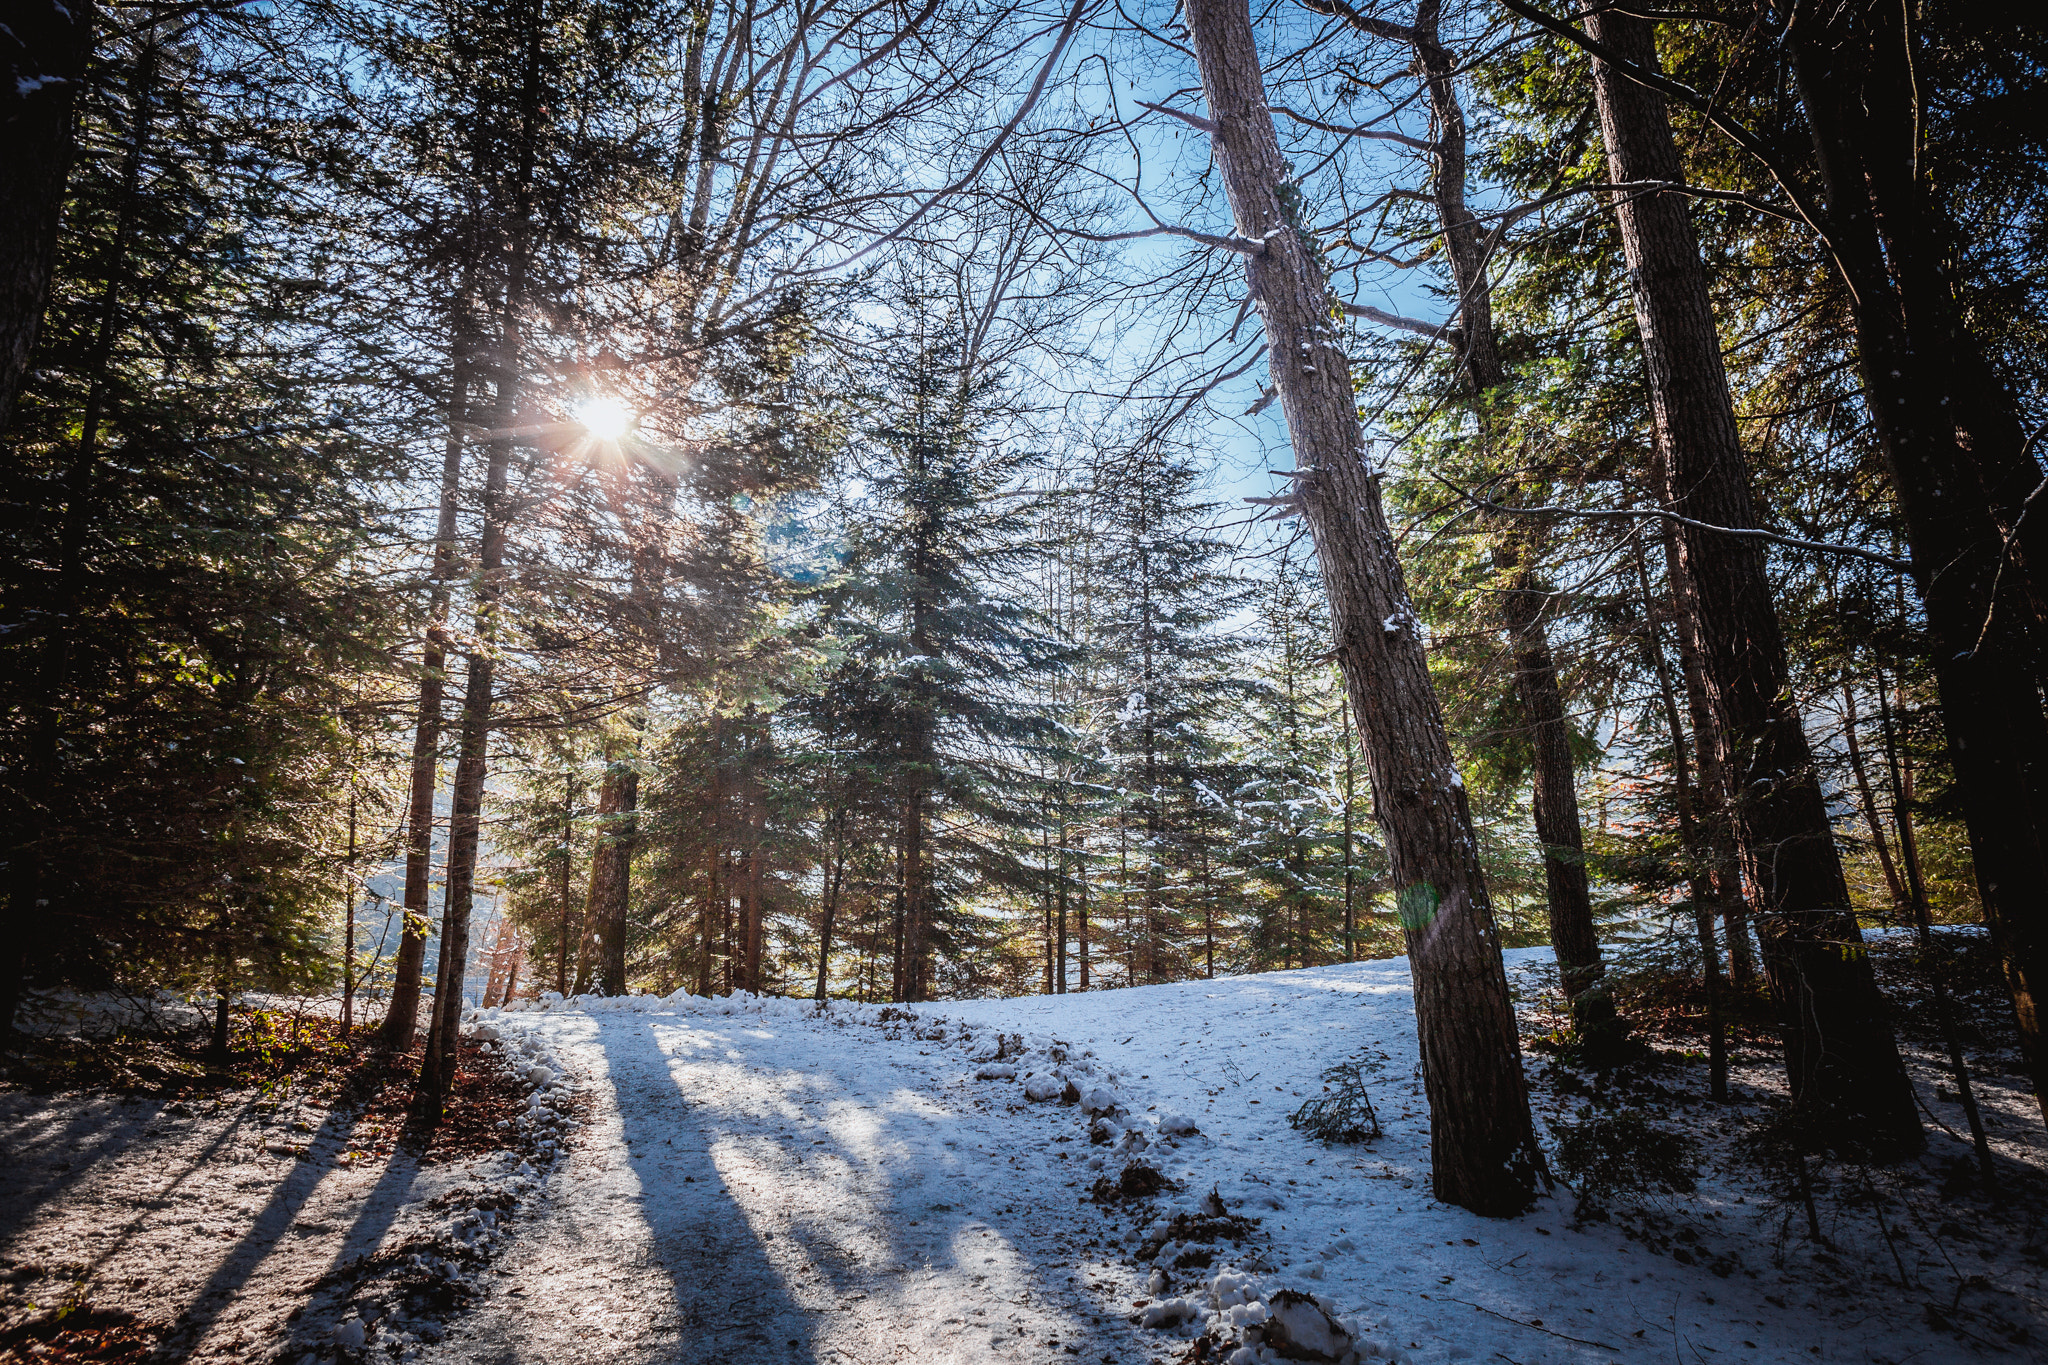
(1482, 1141)
(1906, 340)
(1839, 1048)
(50, 46)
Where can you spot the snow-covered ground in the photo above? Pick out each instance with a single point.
(761, 1182)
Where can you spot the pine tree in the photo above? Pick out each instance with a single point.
(935, 645)
(184, 619)
(1165, 674)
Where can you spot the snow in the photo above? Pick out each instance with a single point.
(764, 1181)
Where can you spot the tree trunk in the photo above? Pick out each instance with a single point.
(1854, 88)
(50, 47)
(511, 990)
(1923, 925)
(1867, 802)
(1573, 935)
(569, 793)
(611, 864)
(1839, 1049)
(913, 942)
(835, 886)
(437, 1071)
(1700, 854)
(1482, 1140)
(401, 1016)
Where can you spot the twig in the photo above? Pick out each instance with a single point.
(1904, 566)
(1530, 1325)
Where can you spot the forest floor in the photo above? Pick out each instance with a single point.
(157, 1204)
(751, 1180)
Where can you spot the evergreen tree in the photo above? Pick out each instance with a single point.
(189, 527)
(1166, 673)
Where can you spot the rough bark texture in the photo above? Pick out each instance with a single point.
(44, 48)
(1482, 1143)
(1838, 1044)
(1854, 82)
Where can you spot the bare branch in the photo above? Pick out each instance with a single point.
(1361, 130)
(1904, 566)
(1432, 330)
(1193, 120)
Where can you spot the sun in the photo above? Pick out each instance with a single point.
(606, 419)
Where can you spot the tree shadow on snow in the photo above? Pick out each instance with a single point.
(850, 1236)
(732, 1301)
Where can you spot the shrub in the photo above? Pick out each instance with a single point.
(1612, 1152)
(1343, 1113)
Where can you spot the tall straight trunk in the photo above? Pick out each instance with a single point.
(569, 792)
(50, 47)
(899, 976)
(1573, 935)
(1713, 833)
(714, 885)
(1857, 86)
(611, 863)
(437, 1071)
(914, 892)
(1350, 862)
(1060, 918)
(1700, 855)
(752, 735)
(401, 1015)
(1839, 1049)
(1482, 1140)
(1045, 896)
(835, 884)
(1081, 917)
(348, 951)
(1867, 802)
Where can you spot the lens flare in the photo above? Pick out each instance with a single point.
(606, 419)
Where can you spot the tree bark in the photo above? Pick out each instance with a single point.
(1867, 802)
(1701, 855)
(1839, 1049)
(611, 865)
(47, 48)
(1855, 82)
(1482, 1141)
(401, 1016)
(1555, 798)
(835, 885)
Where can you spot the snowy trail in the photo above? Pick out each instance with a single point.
(789, 1190)
(758, 1183)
